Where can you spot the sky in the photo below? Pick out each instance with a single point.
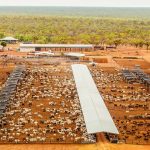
(100, 3)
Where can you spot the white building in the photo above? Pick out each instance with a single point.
(55, 47)
(9, 40)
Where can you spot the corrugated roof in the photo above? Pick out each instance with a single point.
(56, 45)
(95, 112)
(8, 39)
(44, 53)
(74, 54)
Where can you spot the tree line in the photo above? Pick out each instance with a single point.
(81, 30)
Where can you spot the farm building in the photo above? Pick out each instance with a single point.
(75, 56)
(9, 40)
(44, 54)
(98, 119)
(55, 47)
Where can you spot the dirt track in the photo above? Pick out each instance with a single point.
(98, 146)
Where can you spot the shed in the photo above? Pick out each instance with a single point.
(9, 40)
(55, 47)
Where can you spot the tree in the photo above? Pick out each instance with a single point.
(95, 39)
(1, 35)
(35, 38)
(4, 44)
(147, 40)
(101, 30)
(137, 42)
(147, 44)
(20, 37)
(117, 42)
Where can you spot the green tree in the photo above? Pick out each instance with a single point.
(4, 44)
(117, 42)
(35, 38)
(147, 44)
(1, 35)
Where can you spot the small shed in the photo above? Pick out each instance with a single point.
(74, 55)
(9, 40)
(43, 54)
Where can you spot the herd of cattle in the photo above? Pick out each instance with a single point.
(44, 109)
(43, 105)
(128, 103)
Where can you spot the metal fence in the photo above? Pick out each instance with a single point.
(9, 89)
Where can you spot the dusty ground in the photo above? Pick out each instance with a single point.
(98, 146)
(4, 73)
(46, 94)
(124, 101)
(144, 61)
(130, 63)
(13, 53)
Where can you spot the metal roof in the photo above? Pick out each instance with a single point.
(96, 115)
(74, 54)
(9, 39)
(56, 45)
(44, 53)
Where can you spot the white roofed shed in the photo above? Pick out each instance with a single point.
(74, 54)
(57, 45)
(96, 115)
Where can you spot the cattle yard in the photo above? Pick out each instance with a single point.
(128, 103)
(46, 109)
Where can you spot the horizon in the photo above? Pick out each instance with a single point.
(77, 3)
(81, 6)
(117, 12)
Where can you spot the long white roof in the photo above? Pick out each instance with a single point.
(9, 39)
(96, 115)
(57, 45)
(74, 54)
(44, 53)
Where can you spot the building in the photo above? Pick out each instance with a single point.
(9, 40)
(43, 54)
(74, 56)
(110, 47)
(56, 47)
(99, 47)
(96, 115)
